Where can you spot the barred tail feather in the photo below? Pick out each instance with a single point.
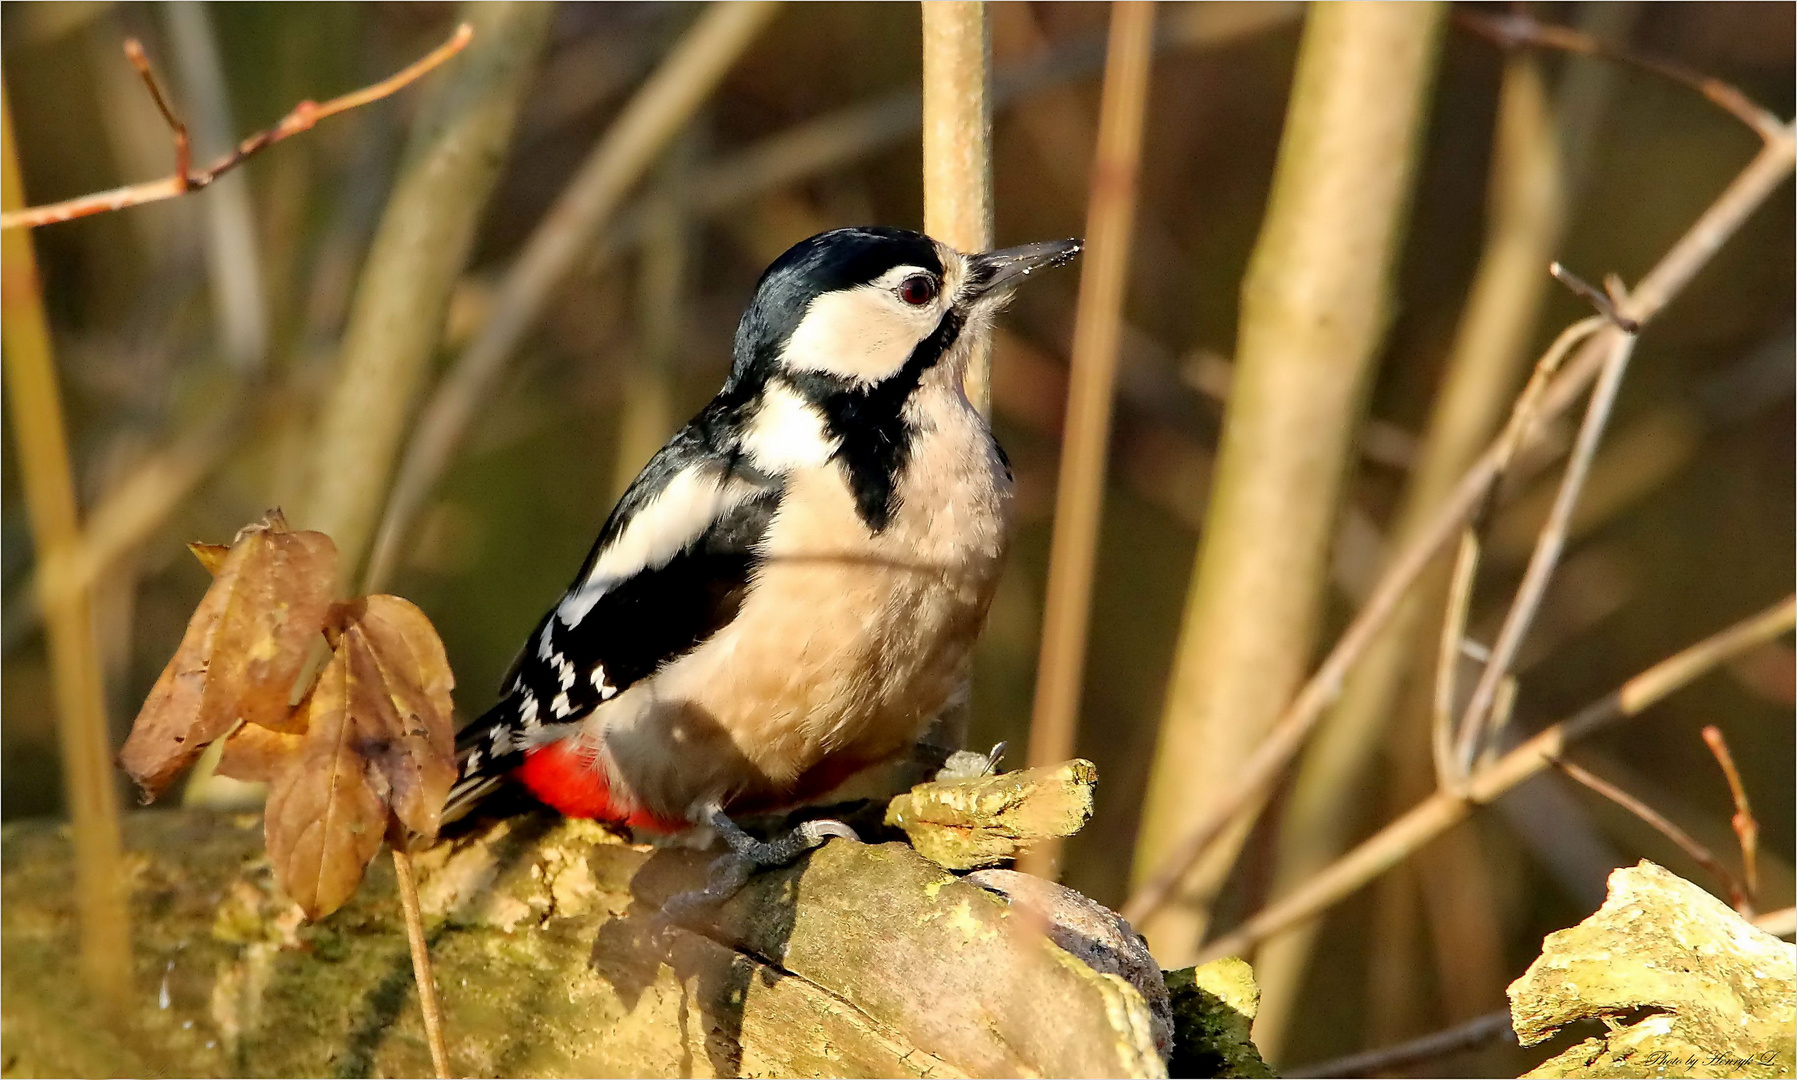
(486, 753)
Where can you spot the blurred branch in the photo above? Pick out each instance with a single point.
(1314, 310)
(1663, 825)
(233, 261)
(647, 409)
(34, 406)
(556, 247)
(1097, 330)
(452, 160)
(1445, 809)
(1511, 30)
(303, 117)
(1765, 174)
(1386, 1060)
(957, 146)
(1747, 829)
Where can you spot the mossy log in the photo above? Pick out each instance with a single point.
(553, 960)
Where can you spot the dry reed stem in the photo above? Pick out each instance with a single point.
(34, 406)
(1097, 332)
(1314, 310)
(421, 961)
(957, 146)
(303, 117)
(1660, 823)
(1690, 253)
(633, 142)
(1747, 828)
(1443, 810)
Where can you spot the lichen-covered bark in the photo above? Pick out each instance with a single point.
(862, 960)
(988, 820)
(1686, 987)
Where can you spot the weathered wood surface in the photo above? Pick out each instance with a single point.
(1685, 987)
(862, 960)
(988, 820)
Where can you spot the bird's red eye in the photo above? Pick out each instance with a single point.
(918, 289)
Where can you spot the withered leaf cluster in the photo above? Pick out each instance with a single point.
(365, 754)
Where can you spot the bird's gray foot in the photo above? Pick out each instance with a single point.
(731, 871)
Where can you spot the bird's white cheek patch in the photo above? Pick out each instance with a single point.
(864, 334)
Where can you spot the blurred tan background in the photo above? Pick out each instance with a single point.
(1687, 524)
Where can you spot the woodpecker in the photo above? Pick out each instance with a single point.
(789, 591)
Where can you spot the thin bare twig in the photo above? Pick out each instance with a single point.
(1747, 827)
(421, 960)
(185, 178)
(1780, 923)
(1690, 845)
(1596, 297)
(1751, 187)
(1480, 1030)
(134, 52)
(1511, 30)
(1476, 728)
(1097, 331)
(1445, 809)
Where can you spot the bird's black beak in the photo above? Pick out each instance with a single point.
(994, 270)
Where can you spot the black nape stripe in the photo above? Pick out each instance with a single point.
(874, 439)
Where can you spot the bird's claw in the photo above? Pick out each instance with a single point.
(731, 871)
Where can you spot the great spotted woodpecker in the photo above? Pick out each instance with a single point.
(789, 591)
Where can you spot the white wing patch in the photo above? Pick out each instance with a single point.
(688, 505)
(601, 683)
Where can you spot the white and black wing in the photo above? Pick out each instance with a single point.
(670, 568)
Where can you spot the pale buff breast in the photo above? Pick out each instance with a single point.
(849, 644)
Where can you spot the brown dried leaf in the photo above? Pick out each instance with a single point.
(324, 821)
(246, 644)
(211, 556)
(408, 687)
(378, 738)
(256, 753)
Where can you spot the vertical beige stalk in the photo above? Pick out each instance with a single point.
(1079, 498)
(1313, 314)
(451, 162)
(957, 196)
(957, 144)
(34, 407)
